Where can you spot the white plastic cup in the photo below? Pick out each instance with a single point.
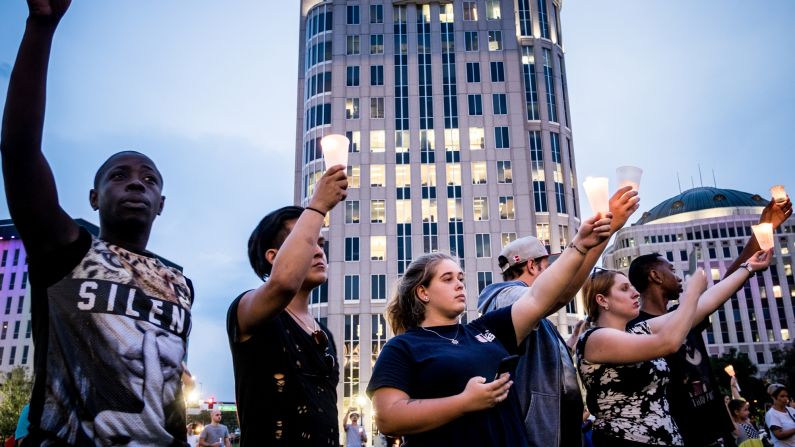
(335, 150)
(764, 235)
(629, 176)
(596, 188)
(779, 193)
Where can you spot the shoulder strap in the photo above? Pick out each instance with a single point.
(583, 339)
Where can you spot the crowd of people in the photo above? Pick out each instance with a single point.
(111, 322)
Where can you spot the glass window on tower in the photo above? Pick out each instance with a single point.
(378, 137)
(507, 238)
(376, 13)
(483, 245)
(470, 11)
(504, 172)
(351, 211)
(499, 102)
(377, 248)
(352, 16)
(479, 175)
(354, 175)
(475, 103)
(507, 211)
(377, 176)
(377, 211)
(352, 45)
(352, 108)
(495, 40)
(377, 44)
(471, 42)
(402, 176)
(480, 207)
(477, 138)
(493, 10)
(352, 76)
(377, 110)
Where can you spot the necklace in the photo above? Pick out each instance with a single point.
(451, 340)
(301, 321)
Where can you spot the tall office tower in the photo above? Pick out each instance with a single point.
(458, 118)
(715, 224)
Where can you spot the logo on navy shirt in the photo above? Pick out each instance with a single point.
(486, 337)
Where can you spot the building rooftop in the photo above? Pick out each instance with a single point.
(699, 199)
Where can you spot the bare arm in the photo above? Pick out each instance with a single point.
(540, 299)
(29, 183)
(718, 294)
(292, 261)
(614, 346)
(774, 213)
(623, 203)
(398, 414)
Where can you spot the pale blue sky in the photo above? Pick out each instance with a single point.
(207, 89)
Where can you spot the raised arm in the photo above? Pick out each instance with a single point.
(29, 183)
(668, 331)
(624, 202)
(294, 258)
(398, 414)
(775, 214)
(719, 293)
(540, 299)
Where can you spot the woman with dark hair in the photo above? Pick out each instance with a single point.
(285, 365)
(623, 370)
(780, 418)
(434, 383)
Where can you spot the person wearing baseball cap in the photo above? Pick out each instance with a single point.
(546, 374)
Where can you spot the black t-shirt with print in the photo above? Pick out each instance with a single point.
(426, 366)
(110, 328)
(696, 403)
(285, 385)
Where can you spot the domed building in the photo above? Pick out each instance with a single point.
(714, 224)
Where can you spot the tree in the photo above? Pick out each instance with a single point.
(784, 371)
(14, 394)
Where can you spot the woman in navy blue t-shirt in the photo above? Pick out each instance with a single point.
(434, 383)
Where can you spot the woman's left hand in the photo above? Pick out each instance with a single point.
(593, 231)
(760, 260)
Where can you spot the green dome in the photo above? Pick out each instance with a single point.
(700, 199)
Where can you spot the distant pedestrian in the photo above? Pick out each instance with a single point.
(355, 435)
(215, 434)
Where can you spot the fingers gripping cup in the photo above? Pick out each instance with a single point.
(779, 193)
(629, 176)
(335, 150)
(764, 235)
(598, 195)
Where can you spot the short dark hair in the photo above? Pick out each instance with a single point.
(640, 268)
(104, 166)
(270, 232)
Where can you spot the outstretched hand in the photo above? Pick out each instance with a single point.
(50, 11)
(330, 189)
(776, 213)
(696, 284)
(760, 260)
(624, 202)
(593, 231)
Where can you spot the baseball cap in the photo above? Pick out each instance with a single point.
(520, 251)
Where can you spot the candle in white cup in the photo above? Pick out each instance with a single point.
(629, 176)
(729, 370)
(597, 192)
(764, 235)
(335, 150)
(779, 193)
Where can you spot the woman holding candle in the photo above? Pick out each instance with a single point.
(624, 371)
(435, 381)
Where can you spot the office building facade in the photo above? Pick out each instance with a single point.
(714, 225)
(461, 141)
